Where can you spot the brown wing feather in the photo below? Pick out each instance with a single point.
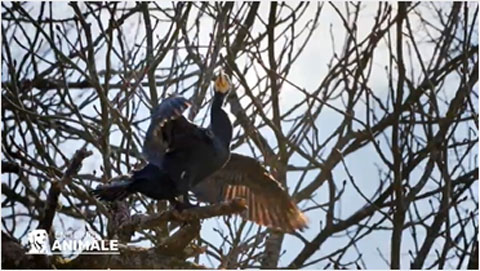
(269, 204)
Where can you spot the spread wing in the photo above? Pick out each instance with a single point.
(168, 129)
(268, 202)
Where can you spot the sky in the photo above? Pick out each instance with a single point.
(307, 72)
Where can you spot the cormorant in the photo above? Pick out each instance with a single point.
(176, 150)
(184, 157)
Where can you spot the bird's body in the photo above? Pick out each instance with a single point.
(180, 154)
(189, 165)
(183, 157)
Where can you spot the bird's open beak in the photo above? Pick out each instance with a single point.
(222, 83)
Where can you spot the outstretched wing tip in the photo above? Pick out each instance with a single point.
(293, 220)
(301, 221)
(171, 108)
(269, 204)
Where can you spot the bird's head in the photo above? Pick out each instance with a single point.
(222, 83)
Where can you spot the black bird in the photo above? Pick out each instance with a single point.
(183, 157)
(180, 154)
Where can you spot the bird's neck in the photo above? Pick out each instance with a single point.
(221, 125)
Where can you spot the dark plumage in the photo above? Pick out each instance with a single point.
(176, 151)
(184, 157)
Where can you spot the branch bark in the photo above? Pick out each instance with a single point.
(57, 186)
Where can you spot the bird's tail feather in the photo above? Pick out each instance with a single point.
(113, 191)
